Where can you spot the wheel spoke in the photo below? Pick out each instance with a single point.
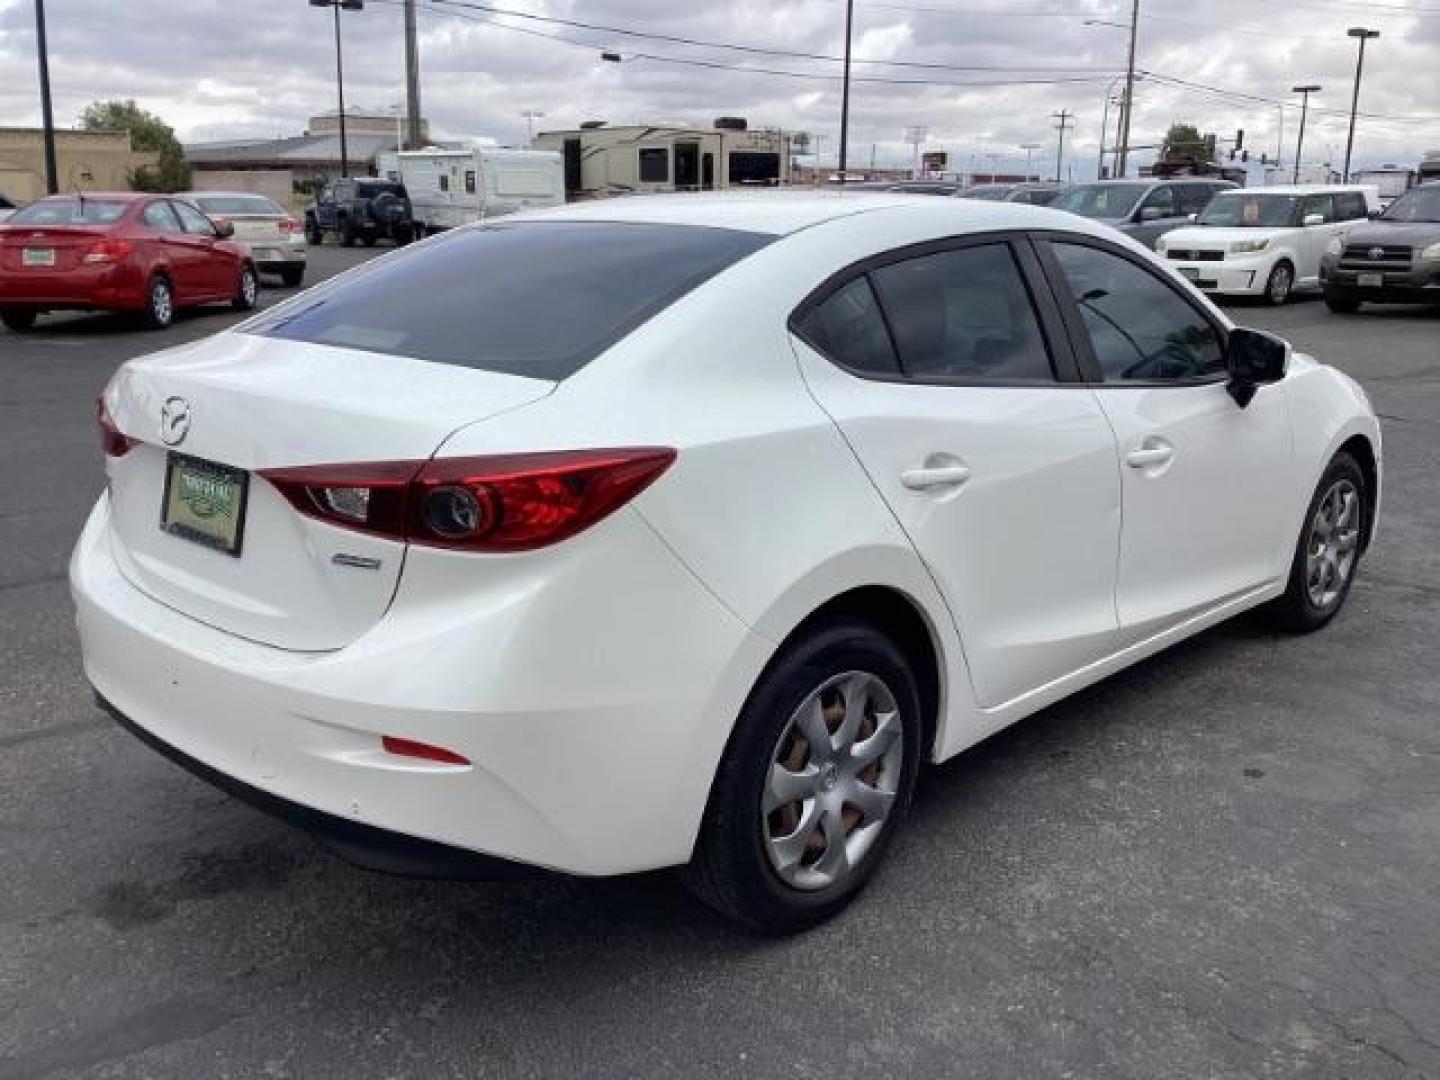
(788, 850)
(836, 860)
(786, 787)
(872, 803)
(864, 754)
(856, 691)
(812, 725)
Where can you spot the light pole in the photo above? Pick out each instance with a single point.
(52, 174)
(338, 5)
(1304, 92)
(1123, 159)
(845, 89)
(1363, 35)
(531, 115)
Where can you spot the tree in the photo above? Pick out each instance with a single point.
(148, 133)
(1184, 141)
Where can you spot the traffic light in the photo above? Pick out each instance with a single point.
(1240, 139)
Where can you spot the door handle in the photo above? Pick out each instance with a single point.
(923, 479)
(1153, 453)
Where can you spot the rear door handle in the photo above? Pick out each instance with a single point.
(936, 476)
(1153, 453)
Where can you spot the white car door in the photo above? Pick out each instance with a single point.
(1206, 485)
(1314, 239)
(935, 366)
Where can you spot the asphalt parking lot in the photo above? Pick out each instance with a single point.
(1224, 863)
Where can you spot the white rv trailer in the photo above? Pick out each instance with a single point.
(456, 187)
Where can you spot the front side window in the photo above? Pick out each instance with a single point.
(1140, 329)
(1324, 205)
(654, 165)
(849, 330)
(963, 314)
(194, 222)
(158, 216)
(538, 299)
(1160, 203)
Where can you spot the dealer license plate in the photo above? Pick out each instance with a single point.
(205, 503)
(38, 257)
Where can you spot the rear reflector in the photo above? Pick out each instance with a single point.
(411, 748)
(113, 441)
(498, 503)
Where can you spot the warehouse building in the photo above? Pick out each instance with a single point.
(604, 160)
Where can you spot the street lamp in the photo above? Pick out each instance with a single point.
(1122, 149)
(338, 6)
(1305, 92)
(1363, 35)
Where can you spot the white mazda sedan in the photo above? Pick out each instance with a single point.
(680, 531)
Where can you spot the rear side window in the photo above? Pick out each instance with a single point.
(539, 299)
(963, 314)
(161, 218)
(1350, 206)
(847, 328)
(228, 205)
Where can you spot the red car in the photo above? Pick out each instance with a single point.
(150, 254)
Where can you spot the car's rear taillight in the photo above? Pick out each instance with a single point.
(289, 226)
(503, 502)
(113, 441)
(103, 252)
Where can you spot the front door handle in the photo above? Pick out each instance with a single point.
(935, 476)
(1152, 453)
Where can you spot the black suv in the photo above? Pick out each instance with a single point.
(364, 210)
(1394, 259)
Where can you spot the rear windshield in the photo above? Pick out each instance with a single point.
(236, 205)
(370, 188)
(539, 299)
(69, 211)
(1100, 200)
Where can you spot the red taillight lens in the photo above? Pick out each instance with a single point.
(107, 251)
(113, 441)
(505, 502)
(289, 226)
(424, 751)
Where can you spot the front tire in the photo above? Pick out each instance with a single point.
(1280, 284)
(1327, 553)
(247, 291)
(159, 303)
(815, 782)
(18, 320)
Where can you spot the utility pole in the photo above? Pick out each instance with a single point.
(412, 78)
(337, 6)
(1364, 35)
(52, 173)
(845, 90)
(1064, 116)
(1304, 92)
(1122, 160)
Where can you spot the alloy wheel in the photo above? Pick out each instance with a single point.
(1281, 281)
(833, 779)
(1334, 542)
(162, 303)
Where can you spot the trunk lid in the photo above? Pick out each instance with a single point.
(257, 403)
(257, 227)
(68, 244)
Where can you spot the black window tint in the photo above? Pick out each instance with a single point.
(963, 314)
(1139, 327)
(1324, 205)
(1350, 206)
(848, 328)
(654, 165)
(1161, 199)
(540, 299)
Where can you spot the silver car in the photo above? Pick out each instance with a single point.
(275, 237)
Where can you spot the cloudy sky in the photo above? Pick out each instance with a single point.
(218, 69)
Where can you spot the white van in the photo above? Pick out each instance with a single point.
(1266, 242)
(455, 187)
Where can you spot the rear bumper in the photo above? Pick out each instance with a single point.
(593, 737)
(84, 288)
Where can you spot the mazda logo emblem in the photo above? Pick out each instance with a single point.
(1377, 253)
(174, 421)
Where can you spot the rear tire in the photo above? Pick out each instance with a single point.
(1327, 554)
(247, 291)
(1342, 305)
(292, 278)
(1280, 284)
(779, 864)
(348, 234)
(370, 239)
(159, 303)
(18, 319)
(313, 233)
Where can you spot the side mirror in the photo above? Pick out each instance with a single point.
(1151, 213)
(224, 228)
(1253, 359)
(1313, 219)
